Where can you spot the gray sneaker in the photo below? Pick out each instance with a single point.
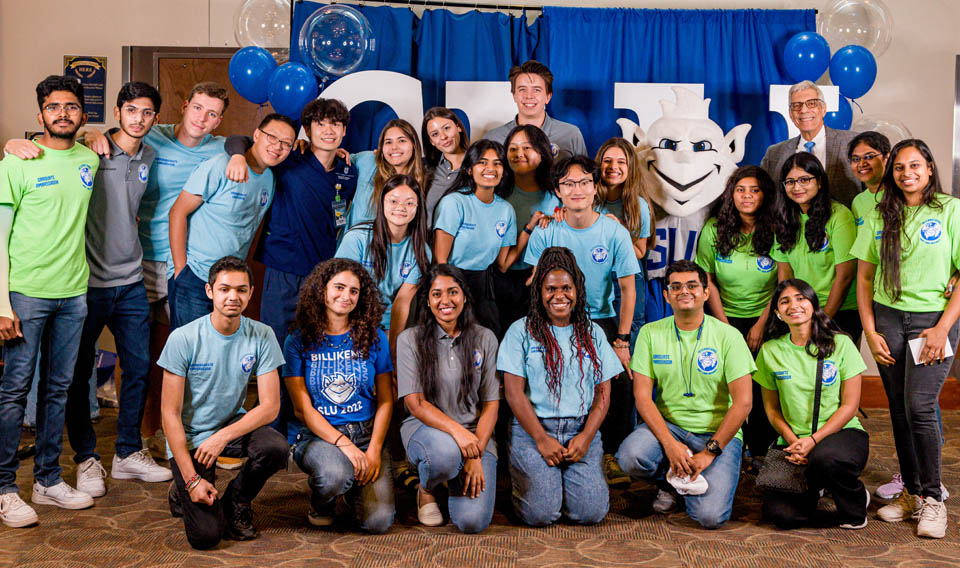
(666, 502)
(61, 495)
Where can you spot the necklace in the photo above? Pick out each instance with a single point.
(687, 374)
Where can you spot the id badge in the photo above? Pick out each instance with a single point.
(339, 207)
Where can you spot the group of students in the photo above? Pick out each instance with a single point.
(404, 274)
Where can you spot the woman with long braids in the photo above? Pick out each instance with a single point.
(398, 152)
(836, 451)
(445, 144)
(447, 376)
(813, 238)
(393, 248)
(908, 247)
(338, 373)
(557, 367)
(475, 228)
(734, 249)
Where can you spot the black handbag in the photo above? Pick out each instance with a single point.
(779, 474)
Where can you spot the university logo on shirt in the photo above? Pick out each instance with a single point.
(142, 172)
(826, 243)
(477, 359)
(405, 269)
(247, 361)
(339, 387)
(707, 361)
(264, 197)
(554, 149)
(930, 231)
(829, 373)
(599, 254)
(501, 228)
(765, 263)
(86, 176)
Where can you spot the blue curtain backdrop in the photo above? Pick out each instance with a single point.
(734, 53)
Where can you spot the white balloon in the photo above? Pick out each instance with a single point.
(890, 127)
(263, 23)
(868, 23)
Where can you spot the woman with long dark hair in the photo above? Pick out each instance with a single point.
(836, 451)
(445, 144)
(557, 367)
(908, 249)
(475, 228)
(813, 238)
(393, 248)
(446, 372)
(398, 152)
(338, 373)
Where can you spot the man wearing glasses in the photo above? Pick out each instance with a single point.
(43, 210)
(223, 216)
(702, 370)
(807, 109)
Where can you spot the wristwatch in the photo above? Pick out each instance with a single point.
(713, 447)
(623, 337)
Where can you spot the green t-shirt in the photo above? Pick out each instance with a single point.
(746, 281)
(791, 371)
(719, 357)
(930, 255)
(49, 196)
(817, 268)
(863, 204)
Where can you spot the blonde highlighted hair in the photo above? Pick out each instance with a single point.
(385, 169)
(632, 189)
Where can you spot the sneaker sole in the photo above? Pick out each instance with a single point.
(19, 524)
(142, 477)
(940, 534)
(94, 494)
(320, 521)
(44, 500)
(618, 481)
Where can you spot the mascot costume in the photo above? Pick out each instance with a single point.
(686, 160)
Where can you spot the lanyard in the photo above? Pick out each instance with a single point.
(688, 373)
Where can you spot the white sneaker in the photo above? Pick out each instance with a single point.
(902, 508)
(61, 495)
(90, 476)
(933, 519)
(857, 526)
(139, 466)
(15, 513)
(666, 502)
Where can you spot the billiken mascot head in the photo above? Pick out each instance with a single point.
(686, 161)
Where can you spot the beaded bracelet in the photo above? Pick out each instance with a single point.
(193, 482)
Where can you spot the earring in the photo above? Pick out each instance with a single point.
(778, 316)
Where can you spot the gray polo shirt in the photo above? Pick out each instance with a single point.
(565, 138)
(448, 366)
(443, 177)
(113, 245)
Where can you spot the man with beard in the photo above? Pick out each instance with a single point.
(43, 211)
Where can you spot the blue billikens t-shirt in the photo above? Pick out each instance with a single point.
(342, 386)
(479, 229)
(601, 249)
(217, 369)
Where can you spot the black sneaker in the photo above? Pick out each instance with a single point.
(239, 520)
(173, 499)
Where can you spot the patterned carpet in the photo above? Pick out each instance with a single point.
(131, 527)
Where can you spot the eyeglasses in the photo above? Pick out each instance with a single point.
(804, 181)
(865, 157)
(54, 108)
(397, 204)
(272, 140)
(809, 103)
(584, 183)
(147, 113)
(691, 286)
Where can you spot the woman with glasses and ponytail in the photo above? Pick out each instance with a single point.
(909, 247)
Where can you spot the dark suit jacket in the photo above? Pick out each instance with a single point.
(843, 185)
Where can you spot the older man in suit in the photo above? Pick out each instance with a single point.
(807, 109)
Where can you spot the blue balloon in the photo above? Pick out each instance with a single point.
(290, 88)
(806, 56)
(854, 70)
(250, 69)
(842, 118)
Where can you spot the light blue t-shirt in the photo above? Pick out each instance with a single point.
(217, 369)
(616, 209)
(522, 355)
(524, 204)
(402, 265)
(172, 166)
(601, 250)
(479, 229)
(227, 220)
(361, 208)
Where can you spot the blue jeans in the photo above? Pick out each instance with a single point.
(331, 475)
(437, 458)
(53, 328)
(542, 492)
(277, 309)
(642, 456)
(188, 299)
(125, 311)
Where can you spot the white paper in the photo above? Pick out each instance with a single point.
(916, 346)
